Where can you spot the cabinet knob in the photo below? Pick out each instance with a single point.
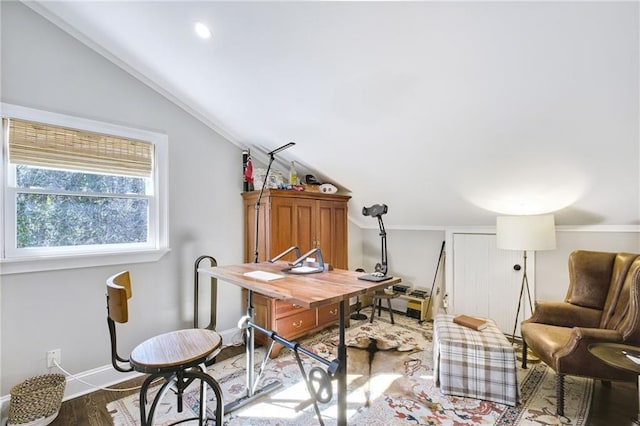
(297, 324)
(516, 267)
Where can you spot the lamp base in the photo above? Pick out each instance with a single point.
(358, 316)
(531, 356)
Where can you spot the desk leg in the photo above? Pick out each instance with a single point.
(342, 371)
(250, 346)
(251, 393)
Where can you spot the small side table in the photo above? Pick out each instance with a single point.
(614, 354)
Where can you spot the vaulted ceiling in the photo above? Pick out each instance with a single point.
(448, 112)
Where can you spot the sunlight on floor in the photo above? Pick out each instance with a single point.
(289, 402)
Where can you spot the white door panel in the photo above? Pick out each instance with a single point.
(485, 282)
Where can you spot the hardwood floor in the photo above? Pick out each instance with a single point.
(614, 405)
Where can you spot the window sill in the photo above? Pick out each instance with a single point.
(53, 263)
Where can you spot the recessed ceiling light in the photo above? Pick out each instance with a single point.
(202, 30)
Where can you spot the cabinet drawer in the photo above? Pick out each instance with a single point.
(328, 314)
(285, 308)
(296, 324)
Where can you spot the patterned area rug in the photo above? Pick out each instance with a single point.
(390, 382)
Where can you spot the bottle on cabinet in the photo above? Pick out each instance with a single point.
(293, 175)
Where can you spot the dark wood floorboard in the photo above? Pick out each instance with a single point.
(614, 405)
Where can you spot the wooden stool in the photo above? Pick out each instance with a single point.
(378, 296)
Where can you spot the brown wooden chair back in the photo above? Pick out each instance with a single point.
(118, 295)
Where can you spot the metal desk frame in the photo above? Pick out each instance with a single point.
(308, 291)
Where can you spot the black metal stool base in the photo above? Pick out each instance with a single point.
(358, 316)
(182, 379)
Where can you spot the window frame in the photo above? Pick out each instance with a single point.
(14, 260)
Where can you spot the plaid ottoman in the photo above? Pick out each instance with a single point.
(476, 364)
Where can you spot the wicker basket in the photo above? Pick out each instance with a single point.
(36, 398)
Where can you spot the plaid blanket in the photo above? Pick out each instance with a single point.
(477, 364)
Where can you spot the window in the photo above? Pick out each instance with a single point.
(76, 188)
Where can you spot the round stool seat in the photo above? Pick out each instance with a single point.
(175, 350)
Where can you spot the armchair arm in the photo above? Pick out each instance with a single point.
(596, 334)
(574, 357)
(565, 314)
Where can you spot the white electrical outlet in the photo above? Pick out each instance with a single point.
(53, 356)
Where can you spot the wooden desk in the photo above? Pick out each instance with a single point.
(309, 291)
(615, 355)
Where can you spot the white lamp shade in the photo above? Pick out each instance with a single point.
(537, 232)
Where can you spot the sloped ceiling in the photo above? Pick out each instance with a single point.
(450, 113)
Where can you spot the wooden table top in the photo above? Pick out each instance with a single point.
(615, 354)
(306, 290)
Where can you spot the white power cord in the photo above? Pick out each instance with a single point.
(96, 386)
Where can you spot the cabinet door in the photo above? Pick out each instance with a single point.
(331, 233)
(340, 231)
(305, 225)
(282, 227)
(264, 236)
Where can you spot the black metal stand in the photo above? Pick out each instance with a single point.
(377, 210)
(266, 177)
(357, 315)
(383, 237)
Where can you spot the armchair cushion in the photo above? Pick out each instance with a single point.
(589, 278)
(565, 314)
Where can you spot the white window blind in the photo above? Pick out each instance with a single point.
(45, 145)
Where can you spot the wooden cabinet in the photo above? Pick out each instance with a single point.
(306, 220)
(303, 219)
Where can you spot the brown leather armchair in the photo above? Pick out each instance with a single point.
(601, 305)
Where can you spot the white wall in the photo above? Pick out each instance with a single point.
(552, 273)
(413, 255)
(44, 68)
